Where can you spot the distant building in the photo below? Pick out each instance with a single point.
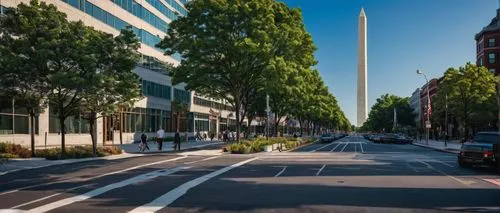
(488, 45)
(416, 105)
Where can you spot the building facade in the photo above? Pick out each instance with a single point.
(149, 20)
(488, 45)
(432, 87)
(415, 103)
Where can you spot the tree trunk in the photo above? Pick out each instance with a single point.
(63, 134)
(92, 121)
(250, 118)
(276, 125)
(32, 131)
(300, 124)
(238, 123)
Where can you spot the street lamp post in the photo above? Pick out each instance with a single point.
(427, 124)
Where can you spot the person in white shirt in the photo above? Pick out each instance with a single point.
(159, 137)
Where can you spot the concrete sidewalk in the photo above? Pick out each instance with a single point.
(167, 146)
(451, 147)
(129, 150)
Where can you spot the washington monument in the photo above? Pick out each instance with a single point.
(362, 68)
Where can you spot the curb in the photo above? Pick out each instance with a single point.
(175, 152)
(132, 155)
(66, 163)
(436, 149)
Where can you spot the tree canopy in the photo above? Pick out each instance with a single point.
(381, 117)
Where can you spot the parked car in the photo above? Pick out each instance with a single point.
(395, 138)
(376, 138)
(327, 138)
(482, 150)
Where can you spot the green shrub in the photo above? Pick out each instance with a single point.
(291, 145)
(239, 148)
(78, 152)
(7, 156)
(15, 150)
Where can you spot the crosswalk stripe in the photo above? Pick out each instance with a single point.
(174, 194)
(95, 177)
(96, 192)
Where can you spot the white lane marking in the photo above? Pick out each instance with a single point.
(334, 148)
(99, 191)
(95, 177)
(196, 161)
(319, 171)
(362, 151)
(174, 194)
(322, 147)
(47, 197)
(444, 163)
(414, 169)
(464, 182)
(493, 181)
(280, 172)
(344, 147)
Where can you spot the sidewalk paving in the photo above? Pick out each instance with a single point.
(452, 146)
(129, 150)
(167, 146)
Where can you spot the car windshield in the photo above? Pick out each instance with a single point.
(486, 138)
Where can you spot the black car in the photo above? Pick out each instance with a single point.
(482, 150)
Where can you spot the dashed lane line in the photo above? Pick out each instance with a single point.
(280, 172)
(171, 196)
(321, 169)
(94, 177)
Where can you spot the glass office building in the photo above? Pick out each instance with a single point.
(149, 20)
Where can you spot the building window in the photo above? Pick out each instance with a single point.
(491, 42)
(480, 61)
(156, 90)
(491, 58)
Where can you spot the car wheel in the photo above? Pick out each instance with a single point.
(463, 164)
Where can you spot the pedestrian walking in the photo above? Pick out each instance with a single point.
(177, 141)
(144, 142)
(186, 136)
(159, 137)
(205, 136)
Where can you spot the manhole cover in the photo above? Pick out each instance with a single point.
(340, 181)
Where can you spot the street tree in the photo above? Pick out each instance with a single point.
(228, 46)
(111, 84)
(381, 116)
(30, 36)
(469, 89)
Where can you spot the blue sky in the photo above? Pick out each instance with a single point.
(403, 36)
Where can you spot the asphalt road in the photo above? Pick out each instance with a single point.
(349, 175)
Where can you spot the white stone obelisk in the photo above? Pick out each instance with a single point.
(362, 70)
